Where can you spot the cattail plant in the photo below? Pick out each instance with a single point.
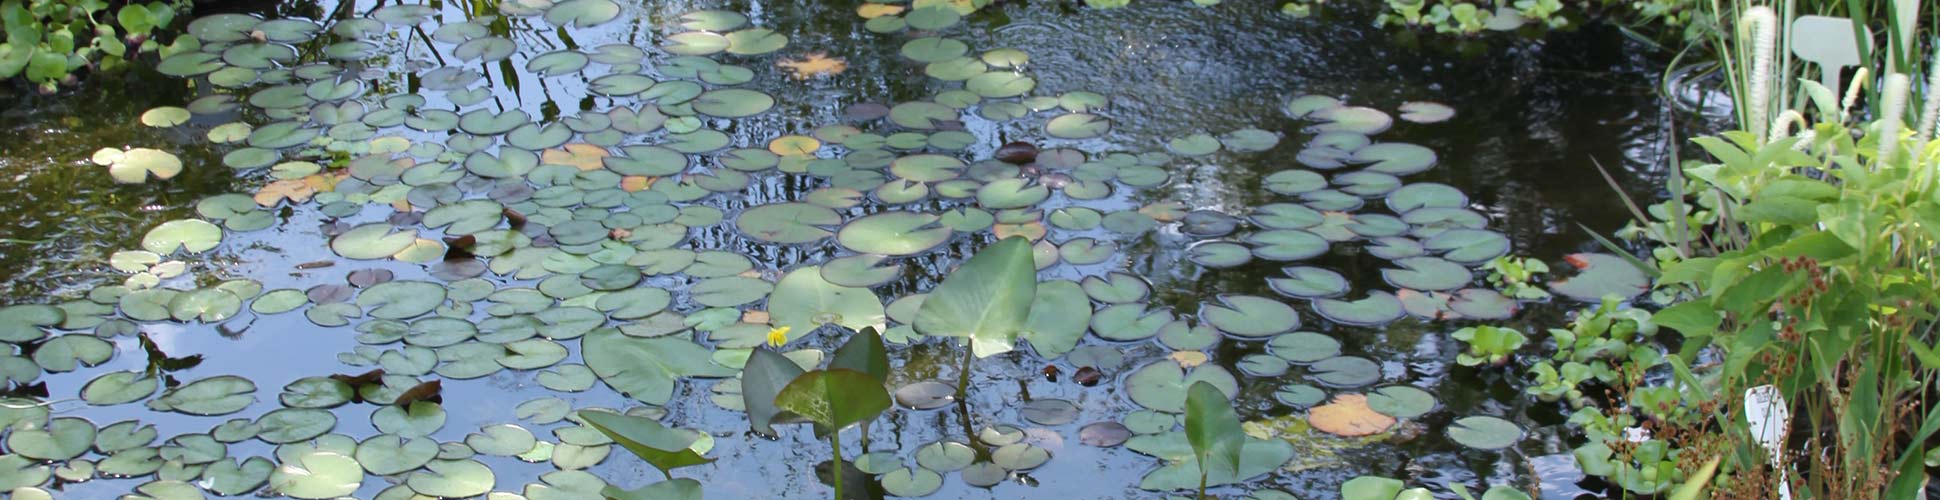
(1763, 25)
(1893, 106)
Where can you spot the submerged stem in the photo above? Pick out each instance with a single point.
(835, 445)
(1202, 481)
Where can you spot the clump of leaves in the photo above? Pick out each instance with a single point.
(47, 41)
(849, 392)
(1488, 345)
(662, 447)
(987, 300)
(1514, 276)
(1213, 430)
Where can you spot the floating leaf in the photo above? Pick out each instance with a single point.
(317, 475)
(803, 301)
(1401, 401)
(1161, 385)
(1484, 432)
(893, 233)
(1599, 275)
(1249, 316)
(1349, 416)
(646, 368)
(1377, 308)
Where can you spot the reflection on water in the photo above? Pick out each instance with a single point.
(1533, 116)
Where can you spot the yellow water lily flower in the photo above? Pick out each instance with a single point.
(778, 336)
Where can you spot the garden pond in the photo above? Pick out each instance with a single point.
(547, 207)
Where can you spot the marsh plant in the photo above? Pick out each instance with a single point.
(1802, 254)
(47, 41)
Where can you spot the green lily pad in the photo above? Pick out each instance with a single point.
(401, 299)
(1287, 244)
(755, 41)
(289, 425)
(733, 103)
(1377, 308)
(317, 475)
(1401, 401)
(452, 479)
(115, 388)
(372, 241)
(58, 439)
(1303, 347)
(191, 235)
(646, 368)
(25, 323)
(218, 395)
(69, 352)
(230, 478)
(1257, 457)
(803, 301)
(1345, 371)
(1249, 316)
(582, 13)
(863, 270)
(1060, 316)
(932, 18)
(787, 223)
(1428, 273)
(1484, 432)
(1309, 283)
(1161, 385)
(1077, 126)
(1599, 275)
(391, 454)
(911, 482)
(893, 233)
(1468, 246)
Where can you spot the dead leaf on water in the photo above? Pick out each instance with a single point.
(1189, 359)
(875, 10)
(813, 65)
(1349, 416)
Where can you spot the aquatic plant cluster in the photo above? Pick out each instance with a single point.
(47, 41)
(610, 250)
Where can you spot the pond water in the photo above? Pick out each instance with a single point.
(634, 184)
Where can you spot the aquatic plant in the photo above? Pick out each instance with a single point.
(48, 40)
(1213, 430)
(1489, 345)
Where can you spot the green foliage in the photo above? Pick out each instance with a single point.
(1514, 276)
(1213, 430)
(47, 40)
(662, 447)
(987, 299)
(1488, 345)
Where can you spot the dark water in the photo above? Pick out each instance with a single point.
(1533, 116)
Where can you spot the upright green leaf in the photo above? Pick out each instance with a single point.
(987, 299)
(663, 447)
(766, 373)
(1212, 427)
(863, 352)
(834, 398)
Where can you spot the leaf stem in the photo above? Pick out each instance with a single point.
(835, 445)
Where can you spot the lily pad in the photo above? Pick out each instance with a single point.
(1377, 308)
(1599, 275)
(1161, 385)
(1484, 432)
(893, 233)
(1249, 316)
